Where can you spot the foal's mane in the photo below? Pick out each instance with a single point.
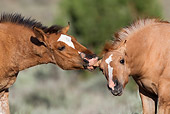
(27, 22)
(124, 33)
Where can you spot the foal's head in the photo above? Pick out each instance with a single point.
(114, 67)
(65, 50)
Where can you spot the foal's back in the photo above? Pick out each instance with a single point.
(158, 50)
(150, 46)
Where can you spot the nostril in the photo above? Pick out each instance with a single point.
(109, 87)
(116, 82)
(86, 61)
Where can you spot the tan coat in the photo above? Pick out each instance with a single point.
(25, 43)
(145, 49)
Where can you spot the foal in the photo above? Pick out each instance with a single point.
(143, 52)
(25, 43)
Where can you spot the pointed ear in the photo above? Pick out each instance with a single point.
(122, 47)
(107, 47)
(125, 42)
(65, 29)
(40, 35)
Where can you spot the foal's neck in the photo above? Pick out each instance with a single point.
(28, 53)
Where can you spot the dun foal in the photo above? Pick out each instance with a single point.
(25, 43)
(143, 52)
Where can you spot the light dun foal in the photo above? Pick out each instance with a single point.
(143, 52)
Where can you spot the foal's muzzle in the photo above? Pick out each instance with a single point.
(89, 60)
(118, 88)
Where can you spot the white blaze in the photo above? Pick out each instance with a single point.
(110, 69)
(67, 40)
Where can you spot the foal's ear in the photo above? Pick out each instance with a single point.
(124, 42)
(107, 47)
(65, 29)
(122, 47)
(40, 35)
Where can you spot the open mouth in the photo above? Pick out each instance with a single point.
(91, 63)
(89, 67)
(116, 92)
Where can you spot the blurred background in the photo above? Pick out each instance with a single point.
(47, 89)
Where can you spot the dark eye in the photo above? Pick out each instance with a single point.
(61, 48)
(122, 61)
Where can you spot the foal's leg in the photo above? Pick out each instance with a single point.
(4, 105)
(149, 103)
(164, 96)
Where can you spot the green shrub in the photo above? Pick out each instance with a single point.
(95, 21)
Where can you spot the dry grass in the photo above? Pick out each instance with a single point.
(67, 93)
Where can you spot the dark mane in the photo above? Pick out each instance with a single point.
(27, 22)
